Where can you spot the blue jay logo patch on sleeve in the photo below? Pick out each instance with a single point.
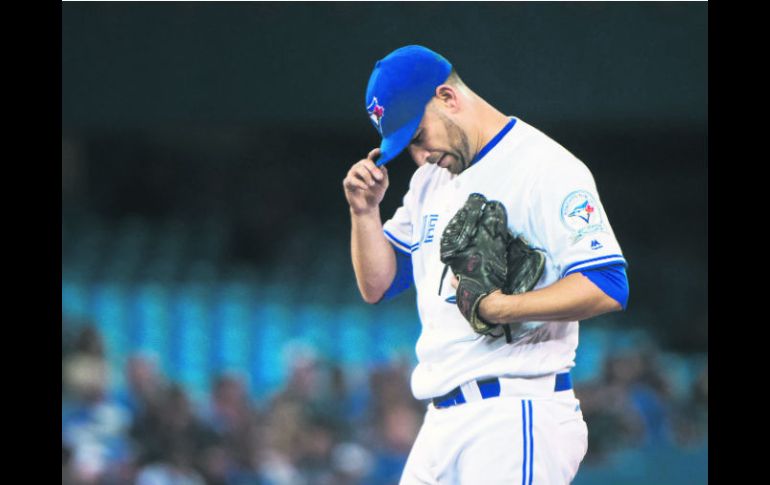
(581, 213)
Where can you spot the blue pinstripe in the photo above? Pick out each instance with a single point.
(531, 445)
(524, 434)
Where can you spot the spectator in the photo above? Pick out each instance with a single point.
(249, 469)
(340, 406)
(607, 408)
(229, 413)
(85, 366)
(284, 422)
(652, 396)
(701, 402)
(692, 422)
(170, 435)
(390, 385)
(352, 464)
(305, 379)
(145, 385)
(397, 429)
(216, 465)
(93, 425)
(176, 467)
(396, 418)
(317, 441)
(67, 473)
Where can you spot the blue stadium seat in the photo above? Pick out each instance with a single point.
(593, 343)
(190, 348)
(354, 342)
(271, 329)
(395, 333)
(232, 329)
(313, 324)
(109, 310)
(74, 299)
(151, 322)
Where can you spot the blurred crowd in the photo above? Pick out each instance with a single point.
(636, 404)
(326, 425)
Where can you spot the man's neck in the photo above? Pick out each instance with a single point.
(490, 123)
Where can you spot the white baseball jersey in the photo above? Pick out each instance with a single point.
(551, 200)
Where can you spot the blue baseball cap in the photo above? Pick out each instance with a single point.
(401, 85)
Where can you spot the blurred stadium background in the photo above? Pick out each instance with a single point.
(211, 326)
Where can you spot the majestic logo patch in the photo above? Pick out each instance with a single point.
(580, 213)
(376, 113)
(596, 244)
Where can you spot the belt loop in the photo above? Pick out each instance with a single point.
(471, 391)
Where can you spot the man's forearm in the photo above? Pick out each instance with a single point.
(572, 298)
(373, 259)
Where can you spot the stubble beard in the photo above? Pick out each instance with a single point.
(461, 148)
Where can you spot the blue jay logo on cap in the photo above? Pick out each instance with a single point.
(375, 113)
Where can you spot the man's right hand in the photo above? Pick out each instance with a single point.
(365, 184)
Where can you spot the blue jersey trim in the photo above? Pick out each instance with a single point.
(494, 141)
(590, 267)
(397, 242)
(612, 280)
(404, 276)
(610, 258)
(401, 250)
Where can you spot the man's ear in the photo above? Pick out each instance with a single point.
(448, 97)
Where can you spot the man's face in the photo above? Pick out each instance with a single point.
(440, 141)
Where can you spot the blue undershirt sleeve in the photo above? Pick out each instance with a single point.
(403, 279)
(612, 280)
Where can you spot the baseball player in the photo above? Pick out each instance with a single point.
(500, 410)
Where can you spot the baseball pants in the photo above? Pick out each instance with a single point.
(533, 437)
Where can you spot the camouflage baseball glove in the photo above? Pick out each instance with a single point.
(486, 257)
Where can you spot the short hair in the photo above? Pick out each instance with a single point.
(454, 79)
